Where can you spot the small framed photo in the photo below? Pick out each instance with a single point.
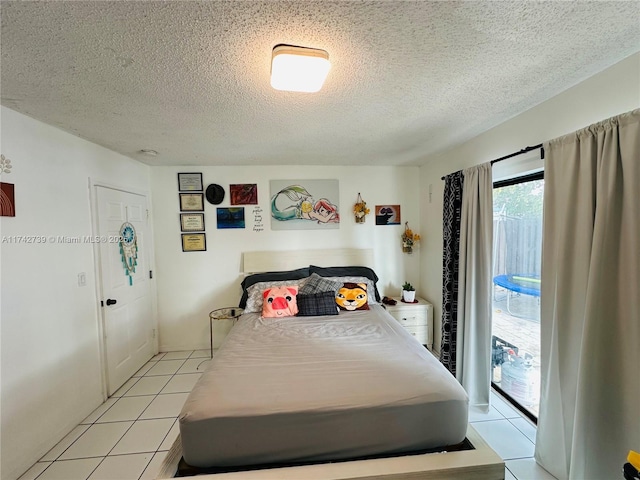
(190, 182)
(192, 202)
(194, 242)
(192, 222)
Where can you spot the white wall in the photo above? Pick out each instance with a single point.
(612, 92)
(51, 375)
(190, 285)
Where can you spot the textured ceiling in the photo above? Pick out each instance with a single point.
(191, 79)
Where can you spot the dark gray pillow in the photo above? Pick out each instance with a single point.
(270, 277)
(316, 304)
(317, 284)
(355, 271)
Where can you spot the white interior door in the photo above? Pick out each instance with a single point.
(126, 305)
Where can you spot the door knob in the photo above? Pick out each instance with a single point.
(111, 301)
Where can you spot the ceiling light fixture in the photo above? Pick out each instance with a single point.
(298, 69)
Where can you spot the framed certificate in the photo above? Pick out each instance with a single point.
(192, 222)
(190, 182)
(192, 202)
(194, 242)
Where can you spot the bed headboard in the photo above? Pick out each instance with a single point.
(273, 261)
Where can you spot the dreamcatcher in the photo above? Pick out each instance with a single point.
(129, 249)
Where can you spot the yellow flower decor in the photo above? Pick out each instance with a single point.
(360, 210)
(409, 239)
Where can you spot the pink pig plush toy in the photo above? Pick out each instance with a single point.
(280, 302)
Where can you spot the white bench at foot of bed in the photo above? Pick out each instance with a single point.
(482, 463)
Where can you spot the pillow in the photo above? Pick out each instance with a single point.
(365, 280)
(350, 271)
(352, 296)
(315, 304)
(280, 302)
(255, 291)
(316, 284)
(270, 277)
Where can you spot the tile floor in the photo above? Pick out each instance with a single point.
(127, 437)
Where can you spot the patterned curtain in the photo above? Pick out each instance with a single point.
(453, 185)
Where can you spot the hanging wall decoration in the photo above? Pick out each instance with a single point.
(129, 249)
(409, 239)
(360, 210)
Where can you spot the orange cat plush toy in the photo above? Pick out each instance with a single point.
(352, 296)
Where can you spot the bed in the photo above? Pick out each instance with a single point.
(321, 395)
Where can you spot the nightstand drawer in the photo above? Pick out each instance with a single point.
(420, 332)
(410, 318)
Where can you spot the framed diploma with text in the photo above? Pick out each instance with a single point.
(192, 222)
(194, 242)
(192, 202)
(190, 182)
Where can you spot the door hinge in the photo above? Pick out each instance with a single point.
(153, 333)
(150, 273)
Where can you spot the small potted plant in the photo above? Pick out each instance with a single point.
(408, 293)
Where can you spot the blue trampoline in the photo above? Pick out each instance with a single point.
(525, 284)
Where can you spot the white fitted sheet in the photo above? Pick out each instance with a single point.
(302, 389)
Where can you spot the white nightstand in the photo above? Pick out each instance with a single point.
(416, 318)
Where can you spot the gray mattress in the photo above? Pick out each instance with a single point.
(304, 389)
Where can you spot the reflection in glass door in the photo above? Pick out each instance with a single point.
(517, 251)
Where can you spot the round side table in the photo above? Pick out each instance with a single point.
(226, 313)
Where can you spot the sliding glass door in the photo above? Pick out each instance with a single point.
(517, 250)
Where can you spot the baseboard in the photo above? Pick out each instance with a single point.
(172, 347)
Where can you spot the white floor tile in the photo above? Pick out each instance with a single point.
(148, 385)
(97, 441)
(177, 355)
(157, 357)
(34, 471)
(201, 354)
(122, 467)
(526, 427)
(509, 476)
(152, 470)
(528, 469)
(63, 444)
(126, 408)
(165, 367)
(476, 415)
(144, 436)
(502, 406)
(171, 436)
(507, 441)
(181, 383)
(98, 412)
(195, 365)
(145, 368)
(168, 405)
(70, 469)
(126, 386)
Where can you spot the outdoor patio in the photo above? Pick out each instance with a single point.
(522, 331)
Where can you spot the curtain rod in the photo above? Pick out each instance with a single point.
(515, 154)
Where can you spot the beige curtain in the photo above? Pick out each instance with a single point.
(474, 285)
(590, 314)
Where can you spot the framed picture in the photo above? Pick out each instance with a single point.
(190, 182)
(304, 204)
(387, 214)
(244, 194)
(194, 242)
(192, 222)
(230, 217)
(192, 202)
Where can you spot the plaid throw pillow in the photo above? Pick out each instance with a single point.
(316, 284)
(315, 304)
